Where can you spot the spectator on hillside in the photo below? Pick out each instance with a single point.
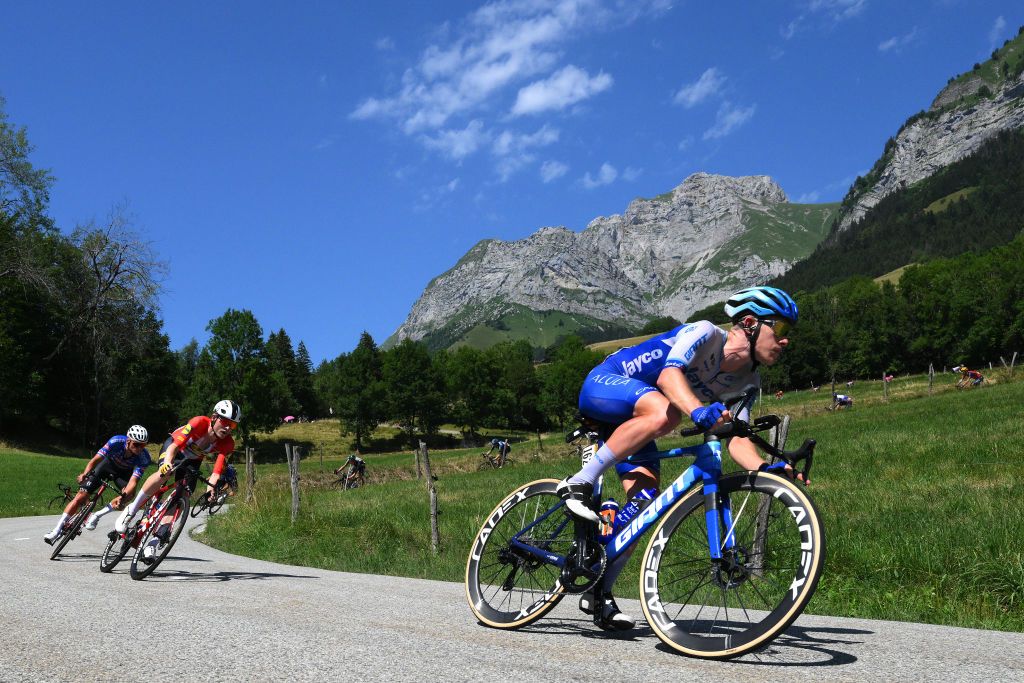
(841, 401)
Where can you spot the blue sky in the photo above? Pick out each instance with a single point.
(318, 163)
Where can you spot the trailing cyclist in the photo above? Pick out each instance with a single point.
(354, 468)
(840, 401)
(503, 450)
(122, 459)
(187, 446)
(646, 389)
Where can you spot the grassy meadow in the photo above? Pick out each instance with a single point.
(919, 493)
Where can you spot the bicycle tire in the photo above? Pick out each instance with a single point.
(116, 548)
(199, 506)
(485, 465)
(723, 611)
(179, 509)
(506, 590)
(73, 528)
(217, 504)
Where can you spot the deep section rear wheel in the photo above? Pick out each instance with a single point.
(72, 528)
(508, 586)
(727, 608)
(179, 510)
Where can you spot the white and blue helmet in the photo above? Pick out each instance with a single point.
(761, 302)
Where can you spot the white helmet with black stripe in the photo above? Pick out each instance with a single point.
(228, 409)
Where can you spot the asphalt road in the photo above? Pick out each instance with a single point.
(205, 615)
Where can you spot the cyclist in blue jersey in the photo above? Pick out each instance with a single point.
(122, 459)
(646, 389)
(503, 449)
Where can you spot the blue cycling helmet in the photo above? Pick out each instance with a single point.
(761, 302)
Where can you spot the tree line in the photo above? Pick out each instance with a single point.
(83, 351)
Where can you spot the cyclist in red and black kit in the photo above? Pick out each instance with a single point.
(192, 442)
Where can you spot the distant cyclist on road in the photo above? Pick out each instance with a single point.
(646, 390)
(201, 437)
(122, 459)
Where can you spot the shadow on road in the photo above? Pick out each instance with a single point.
(182, 575)
(806, 646)
(798, 646)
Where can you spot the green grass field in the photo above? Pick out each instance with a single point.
(919, 496)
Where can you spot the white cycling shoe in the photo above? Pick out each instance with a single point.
(121, 525)
(52, 536)
(577, 499)
(149, 553)
(91, 523)
(606, 614)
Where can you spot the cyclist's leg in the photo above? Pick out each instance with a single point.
(635, 478)
(89, 484)
(641, 411)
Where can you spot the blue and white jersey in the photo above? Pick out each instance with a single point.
(614, 386)
(116, 451)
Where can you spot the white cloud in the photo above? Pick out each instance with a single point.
(839, 10)
(808, 198)
(826, 12)
(491, 56)
(510, 142)
(552, 170)
(685, 143)
(996, 32)
(631, 174)
(897, 43)
(452, 184)
(513, 149)
(566, 86)
(728, 119)
(605, 176)
(709, 83)
(384, 43)
(458, 144)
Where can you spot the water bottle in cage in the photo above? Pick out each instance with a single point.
(633, 507)
(609, 511)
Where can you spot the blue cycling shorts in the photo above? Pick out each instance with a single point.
(611, 397)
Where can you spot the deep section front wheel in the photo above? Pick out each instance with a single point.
(511, 579)
(117, 547)
(719, 609)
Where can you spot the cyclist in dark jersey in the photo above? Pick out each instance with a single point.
(122, 459)
(646, 389)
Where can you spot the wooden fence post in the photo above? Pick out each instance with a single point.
(416, 459)
(931, 376)
(435, 537)
(292, 453)
(885, 388)
(250, 474)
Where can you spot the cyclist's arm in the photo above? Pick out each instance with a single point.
(89, 467)
(745, 453)
(170, 454)
(672, 382)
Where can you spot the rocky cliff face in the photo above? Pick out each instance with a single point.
(665, 256)
(947, 134)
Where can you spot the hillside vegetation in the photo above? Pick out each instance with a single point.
(972, 205)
